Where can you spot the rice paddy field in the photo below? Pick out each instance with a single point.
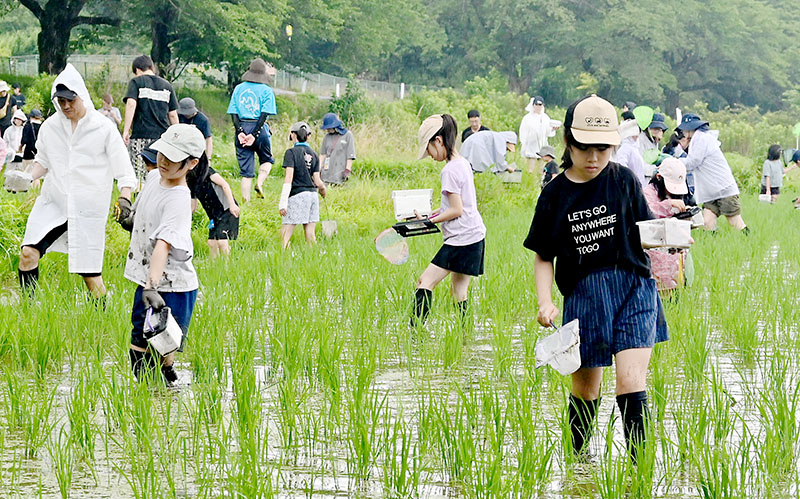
(302, 377)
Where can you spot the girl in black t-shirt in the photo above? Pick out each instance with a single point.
(585, 220)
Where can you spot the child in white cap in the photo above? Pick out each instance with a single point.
(160, 253)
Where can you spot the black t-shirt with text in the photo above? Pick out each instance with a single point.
(305, 163)
(209, 194)
(18, 100)
(591, 226)
(200, 121)
(468, 131)
(155, 98)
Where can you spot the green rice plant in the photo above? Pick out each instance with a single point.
(779, 408)
(80, 413)
(62, 455)
(29, 411)
(402, 465)
(723, 472)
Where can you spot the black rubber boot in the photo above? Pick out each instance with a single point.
(29, 280)
(582, 414)
(141, 363)
(635, 414)
(422, 307)
(169, 374)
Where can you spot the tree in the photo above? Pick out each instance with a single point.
(57, 19)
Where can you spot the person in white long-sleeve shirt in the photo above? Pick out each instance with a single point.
(81, 153)
(715, 185)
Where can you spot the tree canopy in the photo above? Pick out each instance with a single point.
(723, 52)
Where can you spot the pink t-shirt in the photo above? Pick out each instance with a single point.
(457, 178)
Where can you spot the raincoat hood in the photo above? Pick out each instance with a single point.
(73, 80)
(19, 115)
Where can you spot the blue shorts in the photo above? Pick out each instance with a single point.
(181, 305)
(617, 310)
(262, 148)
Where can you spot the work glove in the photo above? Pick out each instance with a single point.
(152, 299)
(122, 209)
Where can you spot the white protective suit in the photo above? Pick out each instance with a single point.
(81, 168)
(533, 132)
(13, 135)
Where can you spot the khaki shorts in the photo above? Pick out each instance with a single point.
(729, 206)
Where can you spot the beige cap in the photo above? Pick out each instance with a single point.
(180, 142)
(673, 171)
(4, 86)
(593, 120)
(427, 130)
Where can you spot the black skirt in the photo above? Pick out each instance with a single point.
(466, 260)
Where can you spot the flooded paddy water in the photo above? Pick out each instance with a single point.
(302, 378)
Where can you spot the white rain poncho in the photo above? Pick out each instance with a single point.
(81, 167)
(533, 132)
(13, 134)
(486, 148)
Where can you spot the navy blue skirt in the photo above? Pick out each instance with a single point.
(466, 260)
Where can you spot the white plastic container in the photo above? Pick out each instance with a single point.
(698, 220)
(162, 331)
(561, 350)
(765, 198)
(514, 177)
(665, 233)
(408, 201)
(17, 181)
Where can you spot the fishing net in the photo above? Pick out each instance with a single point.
(392, 246)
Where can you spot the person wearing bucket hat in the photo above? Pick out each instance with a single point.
(667, 195)
(462, 253)
(548, 155)
(299, 203)
(338, 151)
(160, 253)
(585, 221)
(188, 113)
(150, 108)
(252, 102)
(715, 186)
(82, 154)
(6, 107)
(650, 140)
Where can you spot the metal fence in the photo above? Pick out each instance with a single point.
(116, 69)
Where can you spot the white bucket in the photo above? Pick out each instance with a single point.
(17, 180)
(765, 198)
(408, 201)
(665, 233)
(162, 331)
(561, 350)
(330, 228)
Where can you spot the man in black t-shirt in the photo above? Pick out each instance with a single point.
(6, 107)
(188, 113)
(17, 98)
(475, 126)
(150, 108)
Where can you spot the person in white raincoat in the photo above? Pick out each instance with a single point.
(487, 148)
(533, 133)
(81, 153)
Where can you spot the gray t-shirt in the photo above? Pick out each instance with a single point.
(774, 170)
(337, 149)
(162, 213)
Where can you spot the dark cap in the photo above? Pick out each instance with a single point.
(16, 85)
(35, 113)
(538, 100)
(796, 156)
(149, 155)
(691, 121)
(64, 92)
(630, 105)
(658, 122)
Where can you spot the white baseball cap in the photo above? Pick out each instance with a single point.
(181, 141)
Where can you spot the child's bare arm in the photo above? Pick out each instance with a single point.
(158, 261)
(320, 184)
(217, 179)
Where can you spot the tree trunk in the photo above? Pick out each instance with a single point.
(672, 100)
(56, 23)
(164, 16)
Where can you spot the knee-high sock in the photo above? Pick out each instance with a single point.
(422, 306)
(582, 414)
(29, 279)
(635, 413)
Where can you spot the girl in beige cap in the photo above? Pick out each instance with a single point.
(586, 221)
(461, 255)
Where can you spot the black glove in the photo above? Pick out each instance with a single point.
(122, 209)
(152, 299)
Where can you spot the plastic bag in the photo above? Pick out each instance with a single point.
(561, 350)
(17, 181)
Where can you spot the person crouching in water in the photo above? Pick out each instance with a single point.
(160, 254)
(585, 221)
(299, 204)
(81, 153)
(461, 255)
